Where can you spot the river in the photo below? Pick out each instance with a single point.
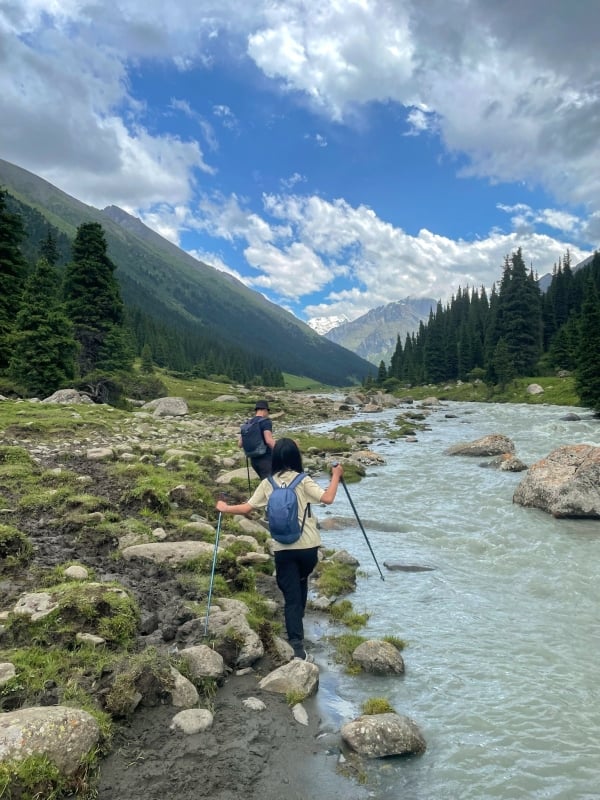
(502, 663)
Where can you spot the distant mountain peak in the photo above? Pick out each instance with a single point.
(374, 335)
(323, 325)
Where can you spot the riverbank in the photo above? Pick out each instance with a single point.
(81, 483)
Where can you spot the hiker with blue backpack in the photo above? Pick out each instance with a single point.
(256, 438)
(287, 495)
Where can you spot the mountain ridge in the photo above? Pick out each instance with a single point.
(168, 283)
(374, 335)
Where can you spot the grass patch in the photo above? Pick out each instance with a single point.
(36, 777)
(398, 643)
(105, 610)
(344, 613)
(318, 444)
(334, 579)
(15, 548)
(294, 696)
(557, 391)
(344, 646)
(377, 705)
(53, 421)
(355, 429)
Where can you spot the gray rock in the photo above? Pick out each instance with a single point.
(183, 694)
(378, 735)
(493, 445)
(296, 675)
(230, 615)
(167, 552)
(565, 484)
(203, 662)
(299, 714)
(379, 658)
(534, 388)
(167, 407)
(7, 672)
(64, 735)
(254, 704)
(67, 397)
(192, 720)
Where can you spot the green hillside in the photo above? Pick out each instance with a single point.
(180, 291)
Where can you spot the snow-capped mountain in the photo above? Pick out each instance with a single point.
(323, 325)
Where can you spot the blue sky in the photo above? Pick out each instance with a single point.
(333, 156)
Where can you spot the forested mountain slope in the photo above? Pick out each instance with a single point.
(179, 291)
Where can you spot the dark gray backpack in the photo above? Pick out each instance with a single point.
(252, 438)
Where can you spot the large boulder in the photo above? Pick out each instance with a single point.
(379, 657)
(495, 444)
(167, 407)
(64, 735)
(295, 676)
(565, 484)
(378, 735)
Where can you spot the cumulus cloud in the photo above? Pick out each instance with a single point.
(513, 88)
(302, 244)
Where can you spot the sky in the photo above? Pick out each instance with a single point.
(333, 155)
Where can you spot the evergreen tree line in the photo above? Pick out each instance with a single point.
(517, 331)
(65, 323)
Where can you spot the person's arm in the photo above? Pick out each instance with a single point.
(258, 500)
(239, 441)
(269, 440)
(328, 496)
(240, 508)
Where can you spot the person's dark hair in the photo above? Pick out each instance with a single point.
(286, 456)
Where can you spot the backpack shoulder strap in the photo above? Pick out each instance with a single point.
(272, 482)
(298, 479)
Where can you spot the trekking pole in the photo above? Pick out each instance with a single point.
(214, 563)
(248, 468)
(335, 464)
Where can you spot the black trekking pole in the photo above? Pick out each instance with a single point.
(248, 468)
(214, 563)
(335, 463)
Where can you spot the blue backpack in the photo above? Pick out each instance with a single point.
(282, 511)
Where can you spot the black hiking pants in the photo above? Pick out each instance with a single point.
(262, 465)
(292, 570)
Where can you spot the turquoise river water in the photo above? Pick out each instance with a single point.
(502, 663)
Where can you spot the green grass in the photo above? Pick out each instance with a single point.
(299, 383)
(377, 705)
(557, 391)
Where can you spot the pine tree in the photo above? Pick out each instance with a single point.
(13, 271)
(49, 250)
(381, 373)
(147, 365)
(519, 320)
(504, 367)
(434, 352)
(395, 370)
(44, 348)
(93, 302)
(588, 363)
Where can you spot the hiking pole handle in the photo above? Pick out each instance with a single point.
(343, 482)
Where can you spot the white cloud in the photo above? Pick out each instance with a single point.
(525, 219)
(514, 87)
(306, 243)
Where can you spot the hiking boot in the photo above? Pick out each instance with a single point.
(304, 656)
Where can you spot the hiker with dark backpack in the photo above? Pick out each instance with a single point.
(256, 438)
(293, 527)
